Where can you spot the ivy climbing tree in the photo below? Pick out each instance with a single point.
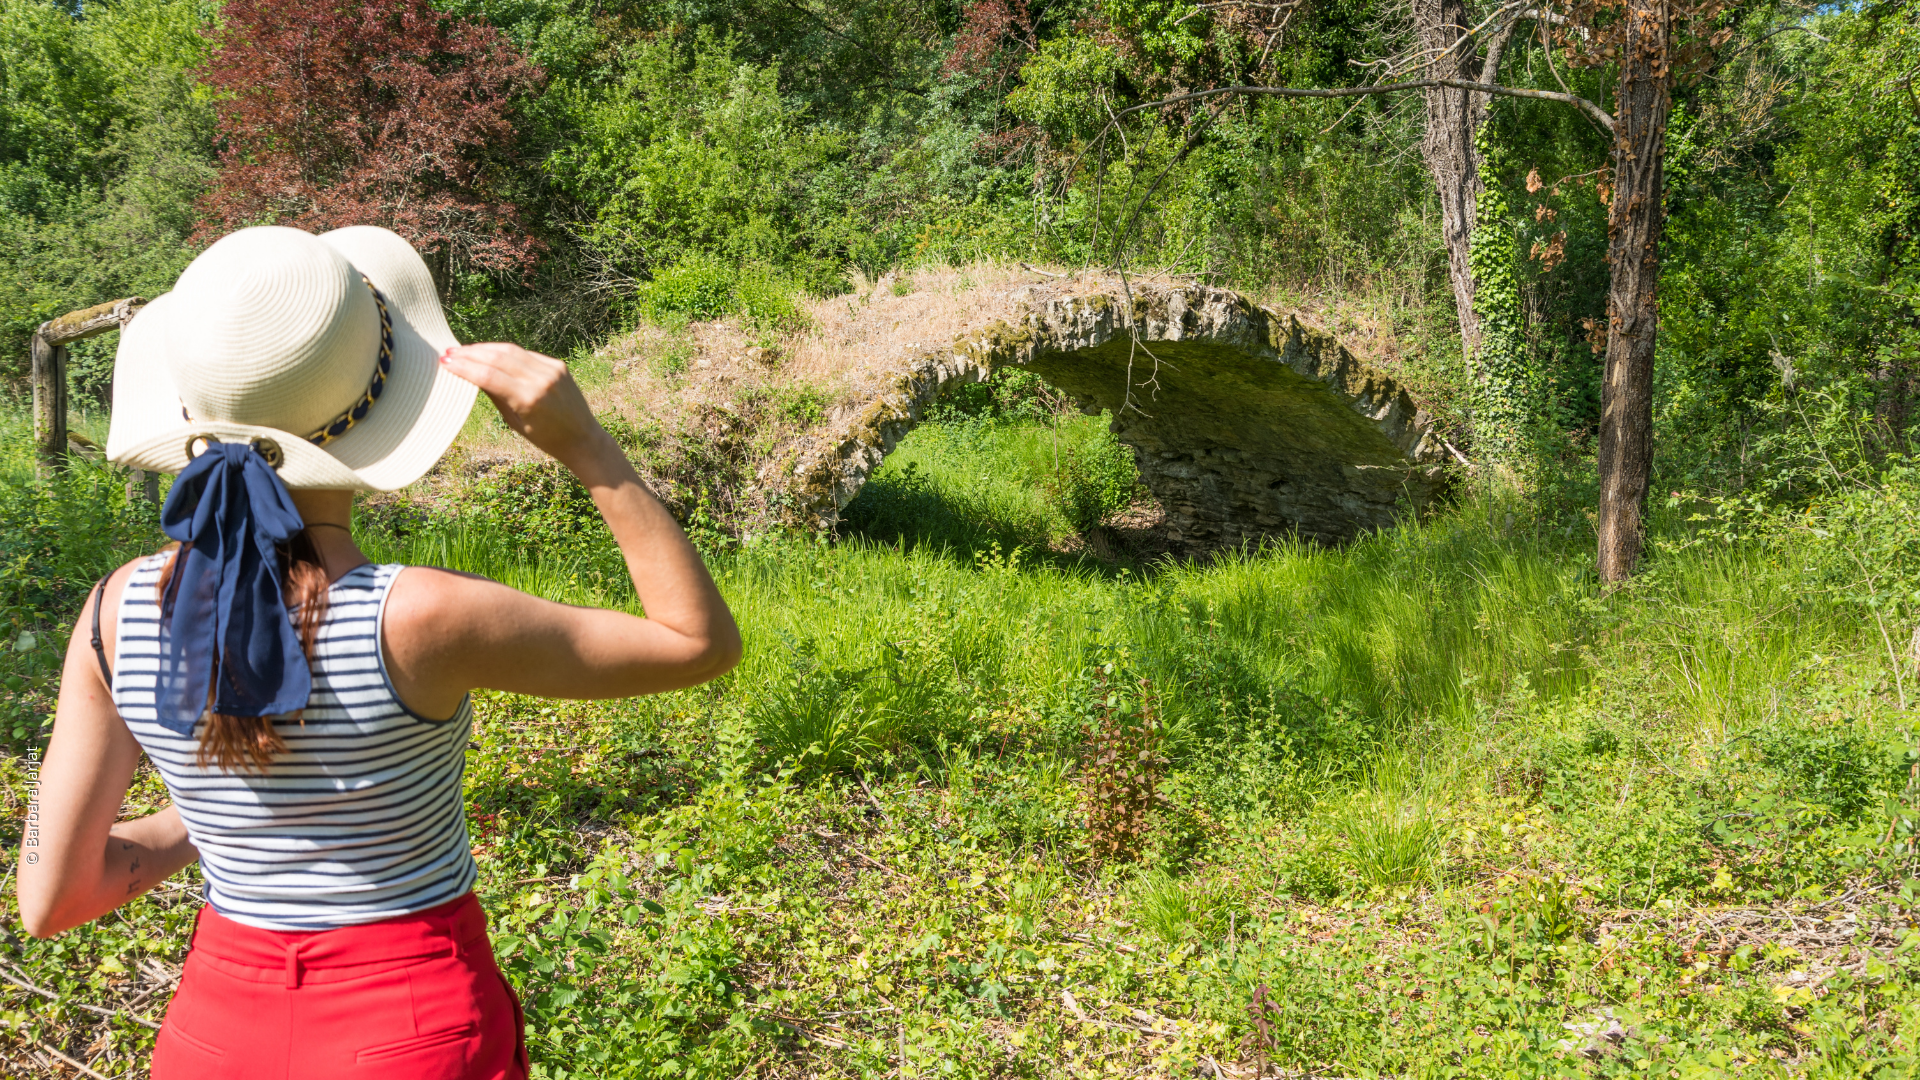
(1498, 362)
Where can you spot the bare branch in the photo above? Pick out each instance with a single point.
(1605, 118)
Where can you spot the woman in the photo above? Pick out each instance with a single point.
(309, 710)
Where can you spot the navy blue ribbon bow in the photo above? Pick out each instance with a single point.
(224, 601)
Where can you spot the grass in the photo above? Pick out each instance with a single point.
(1432, 804)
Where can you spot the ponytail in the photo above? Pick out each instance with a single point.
(249, 743)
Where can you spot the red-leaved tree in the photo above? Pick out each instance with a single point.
(980, 47)
(369, 112)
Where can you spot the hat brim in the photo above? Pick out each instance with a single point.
(420, 411)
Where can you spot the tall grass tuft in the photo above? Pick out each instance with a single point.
(1393, 841)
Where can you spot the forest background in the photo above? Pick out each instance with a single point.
(1433, 804)
(556, 159)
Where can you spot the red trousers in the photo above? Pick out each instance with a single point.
(416, 997)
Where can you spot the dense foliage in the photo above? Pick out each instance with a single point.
(558, 157)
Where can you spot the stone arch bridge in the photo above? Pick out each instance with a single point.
(1244, 421)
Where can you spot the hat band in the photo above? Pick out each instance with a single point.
(343, 423)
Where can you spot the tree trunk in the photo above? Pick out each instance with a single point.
(1453, 118)
(1633, 255)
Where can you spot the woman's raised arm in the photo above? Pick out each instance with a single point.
(447, 633)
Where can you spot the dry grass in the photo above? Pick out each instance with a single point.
(857, 339)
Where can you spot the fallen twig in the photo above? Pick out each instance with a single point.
(1086, 939)
(802, 1026)
(884, 816)
(871, 861)
(95, 1009)
(68, 1060)
(1079, 1014)
(141, 1020)
(861, 1012)
(24, 985)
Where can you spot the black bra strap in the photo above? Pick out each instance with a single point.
(99, 646)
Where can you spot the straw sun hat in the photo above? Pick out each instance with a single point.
(276, 336)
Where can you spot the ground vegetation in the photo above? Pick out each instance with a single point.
(1007, 784)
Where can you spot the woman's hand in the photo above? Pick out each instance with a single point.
(537, 397)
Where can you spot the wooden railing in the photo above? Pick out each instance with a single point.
(49, 348)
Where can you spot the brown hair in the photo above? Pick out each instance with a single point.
(248, 743)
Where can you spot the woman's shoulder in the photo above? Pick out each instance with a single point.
(367, 577)
(141, 570)
(418, 582)
(150, 563)
(437, 602)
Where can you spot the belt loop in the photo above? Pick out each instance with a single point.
(293, 966)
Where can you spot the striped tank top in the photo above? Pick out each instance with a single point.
(361, 819)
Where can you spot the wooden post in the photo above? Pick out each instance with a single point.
(49, 401)
(49, 345)
(142, 484)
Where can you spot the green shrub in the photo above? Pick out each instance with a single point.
(694, 288)
(58, 535)
(1312, 871)
(702, 288)
(769, 300)
(1095, 480)
(821, 722)
(1836, 766)
(1180, 909)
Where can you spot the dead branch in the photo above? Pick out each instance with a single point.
(1605, 118)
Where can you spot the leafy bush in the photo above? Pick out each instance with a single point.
(695, 288)
(1095, 480)
(769, 300)
(685, 150)
(58, 535)
(1836, 766)
(702, 287)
